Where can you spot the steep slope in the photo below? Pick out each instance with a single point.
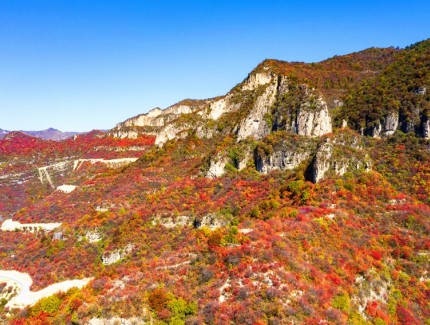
(31, 167)
(328, 80)
(257, 207)
(375, 92)
(397, 99)
(299, 98)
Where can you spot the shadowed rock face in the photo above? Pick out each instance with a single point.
(332, 155)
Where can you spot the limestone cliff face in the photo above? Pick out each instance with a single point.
(217, 166)
(281, 160)
(296, 108)
(314, 123)
(170, 132)
(300, 109)
(385, 127)
(157, 117)
(254, 125)
(321, 157)
(153, 118)
(265, 101)
(286, 153)
(339, 154)
(426, 129)
(155, 121)
(255, 80)
(391, 122)
(322, 161)
(218, 108)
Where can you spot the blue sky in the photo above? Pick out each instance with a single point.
(79, 65)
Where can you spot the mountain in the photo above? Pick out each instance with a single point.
(301, 196)
(48, 134)
(382, 79)
(3, 133)
(51, 134)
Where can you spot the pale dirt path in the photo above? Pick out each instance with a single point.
(26, 297)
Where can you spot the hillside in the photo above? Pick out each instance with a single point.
(301, 196)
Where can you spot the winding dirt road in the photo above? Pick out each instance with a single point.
(23, 282)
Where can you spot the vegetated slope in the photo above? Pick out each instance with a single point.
(26, 162)
(398, 98)
(334, 77)
(253, 208)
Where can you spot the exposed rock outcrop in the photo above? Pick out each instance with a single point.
(338, 155)
(370, 288)
(218, 107)
(66, 188)
(255, 80)
(426, 129)
(331, 155)
(93, 236)
(155, 120)
(285, 154)
(296, 108)
(314, 122)
(211, 220)
(217, 166)
(254, 124)
(391, 122)
(116, 255)
(264, 102)
(385, 127)
(170, 132)
(301, 110)
(322, 162)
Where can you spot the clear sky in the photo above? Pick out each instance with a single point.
(78, 65)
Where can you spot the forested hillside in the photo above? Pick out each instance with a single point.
(299, 197)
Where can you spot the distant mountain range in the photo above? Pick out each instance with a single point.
(48, 134)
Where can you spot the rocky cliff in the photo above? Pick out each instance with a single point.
(262, 102)
(341, 153)
(330, 155)
(308, 100)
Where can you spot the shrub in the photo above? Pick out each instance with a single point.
(48, 305)
(342, 302)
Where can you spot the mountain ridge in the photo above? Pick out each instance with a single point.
(337, 76)
(275, 203)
